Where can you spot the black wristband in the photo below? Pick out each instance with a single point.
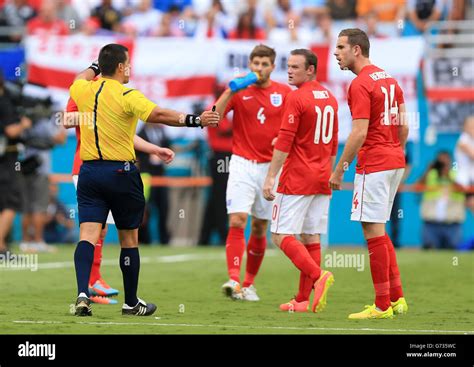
(193, 121)
(95, 68)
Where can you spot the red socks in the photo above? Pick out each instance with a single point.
(255, 251)
(379, 267)
(95, 271)
(300, 256)
(306, 284)
(234, 249)
(396, 291)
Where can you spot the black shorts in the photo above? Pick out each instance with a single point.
(114, 186)
(10, 192)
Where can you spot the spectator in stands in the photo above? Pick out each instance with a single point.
(219, 21)
(371, 22)
(258, 9)
(90, 26)
(220, 142)
(69, 14)
(247, 29)
(442, 207)
(47, 21)
(143, 21)
(284, 18)
(59, 226)
(323, 32)
(108, 16)
(158, 199)
(172, 25)
(342, 9)
(11, 128)
(386, 10)
(15, 13)
(309, 11)
(419, 14)
(459, 10)
(464, 155)
(166, 5)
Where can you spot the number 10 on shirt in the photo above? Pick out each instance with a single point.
(326, 130)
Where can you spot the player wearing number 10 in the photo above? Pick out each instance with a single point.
(307, 145)
(379, 134)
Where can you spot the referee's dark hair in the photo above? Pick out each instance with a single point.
(110, 56)
(310, 57)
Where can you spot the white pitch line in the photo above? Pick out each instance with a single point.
(243, 327)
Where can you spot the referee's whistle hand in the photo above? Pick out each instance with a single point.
(165, 154)
(210, 118)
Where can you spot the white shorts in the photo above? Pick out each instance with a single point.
(110, 218)
(245, 188)
(296, 214)
(374, 193)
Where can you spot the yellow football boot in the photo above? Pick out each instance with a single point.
(371, 312)
(400, 307)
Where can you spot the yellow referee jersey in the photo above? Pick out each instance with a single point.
(109, 116)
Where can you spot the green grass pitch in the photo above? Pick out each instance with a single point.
(185, 284)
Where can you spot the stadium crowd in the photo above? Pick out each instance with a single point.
(273, 20)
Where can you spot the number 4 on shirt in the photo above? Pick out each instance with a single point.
(261, 116)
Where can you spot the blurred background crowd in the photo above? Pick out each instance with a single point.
(273, 20)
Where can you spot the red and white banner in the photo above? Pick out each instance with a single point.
(181, 73)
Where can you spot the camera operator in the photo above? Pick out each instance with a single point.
(36, 167)
(11, 127)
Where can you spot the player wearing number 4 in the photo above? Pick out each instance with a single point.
(257, 116)
(307, 146)
(378, 137)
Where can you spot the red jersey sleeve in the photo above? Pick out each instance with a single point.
(359, 100)
(290, 123)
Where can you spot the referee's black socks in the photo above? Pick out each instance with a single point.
(83, 259)
(130, 266)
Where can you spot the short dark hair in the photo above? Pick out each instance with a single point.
(110, 56)
(356, 36)
(310, 57)
(263, 51)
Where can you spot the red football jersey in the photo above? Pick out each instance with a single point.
(376, 96)
(76, 166)
(310, 125)
(256, 121)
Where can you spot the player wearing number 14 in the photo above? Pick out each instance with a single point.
(378, 137)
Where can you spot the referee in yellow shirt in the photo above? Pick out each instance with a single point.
(109, 179)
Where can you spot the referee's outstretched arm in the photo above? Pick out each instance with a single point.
(175, 118)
